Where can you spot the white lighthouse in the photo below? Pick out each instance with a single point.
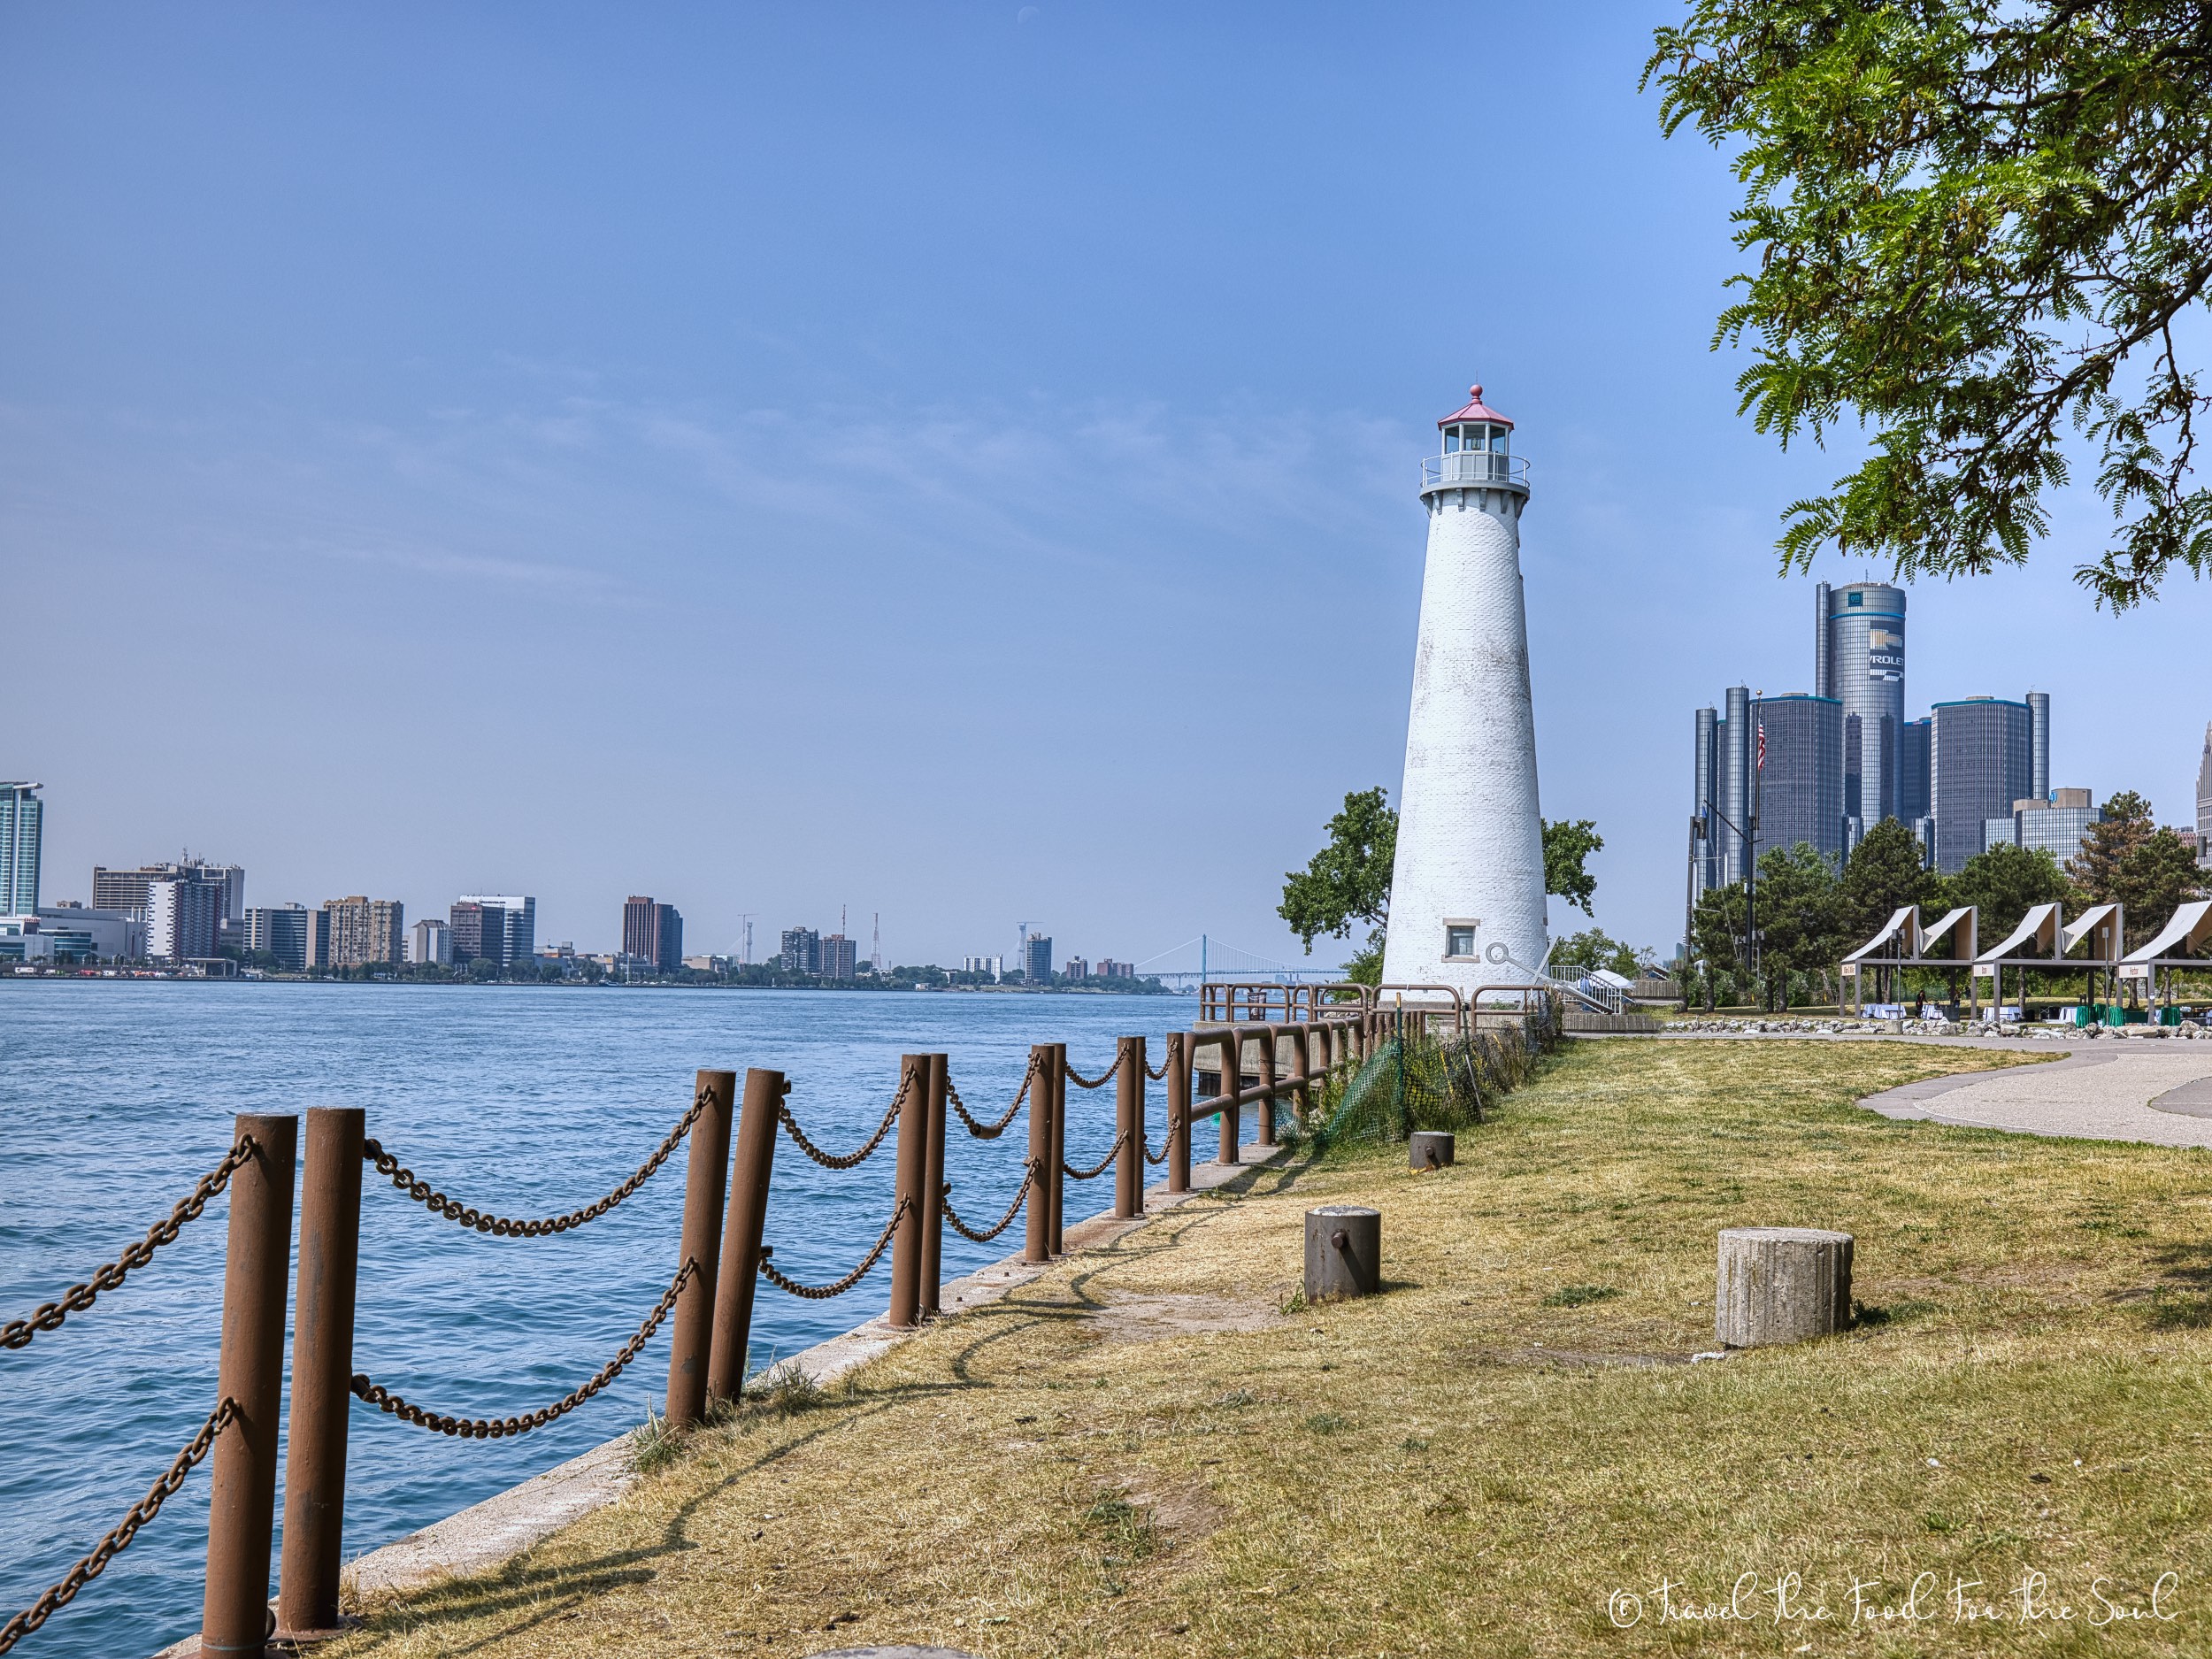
(1467, 893)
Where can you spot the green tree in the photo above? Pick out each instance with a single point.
(2006, 883)
(2129, 860)
(1717, 940)
(1594, 948)
(1973, 224)
(1887, 871)
(1800, 919)
(1348, 880)
(1566, 844)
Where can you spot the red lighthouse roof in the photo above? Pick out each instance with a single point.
(1476, 411)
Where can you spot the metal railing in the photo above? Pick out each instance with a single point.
(1473, 469)
(707, 1307)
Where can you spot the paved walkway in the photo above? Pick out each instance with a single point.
(2159, 1093)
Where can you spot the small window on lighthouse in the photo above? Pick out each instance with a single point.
(1459, 939)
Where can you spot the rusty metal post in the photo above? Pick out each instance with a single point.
(934, 1190)
(1058, 1184)
(322, 1370)
(757, 1121)
(1232, 1086)
(706, 1188)
(913, 1163)
(242, 1486)
(1037, 1217)
(1270, 1034)
(1179, 1064)
(1301, 1074)
(1129, 1125)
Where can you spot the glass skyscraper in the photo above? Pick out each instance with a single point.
(22, 816)
(1859, 660)
(1983, 751)
(1800, 789)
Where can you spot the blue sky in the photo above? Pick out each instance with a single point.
(953, 461)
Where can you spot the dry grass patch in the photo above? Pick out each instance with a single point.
(1474, 1462)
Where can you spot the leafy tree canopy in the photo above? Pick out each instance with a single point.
(2127, 859)
(1594, 948)
(1566, 844)
(1975, 226)
(1800, 911)
(1886, 872)
(2005, 883)
(1348, 880)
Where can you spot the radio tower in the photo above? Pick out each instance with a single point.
(875, 943)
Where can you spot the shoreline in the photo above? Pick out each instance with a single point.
(487, 1534)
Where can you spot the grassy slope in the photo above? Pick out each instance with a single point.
(1473, 1463)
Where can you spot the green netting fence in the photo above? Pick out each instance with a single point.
(1418, 1081)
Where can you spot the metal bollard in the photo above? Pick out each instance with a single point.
(706, 1188)
(1129, 1125)
(1232, 1086)
(934, 1190)
(1056, 1182)
(912, 1162)
(757, 1122)
(1179, 1056)
(242, 1486)
(1037, 1213)
(322, 1373)
(1269, 1036)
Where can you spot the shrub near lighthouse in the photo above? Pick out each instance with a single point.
(1467, 892)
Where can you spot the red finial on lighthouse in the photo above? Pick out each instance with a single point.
(1476, 411)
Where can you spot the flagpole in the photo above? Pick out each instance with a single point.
(1751, 874)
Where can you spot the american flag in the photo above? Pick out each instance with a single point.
(1762, 746)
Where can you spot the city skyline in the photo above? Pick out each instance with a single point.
(527, 400)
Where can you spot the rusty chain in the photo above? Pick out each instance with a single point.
(1166, 1146)
(1098, 1169)
(499, 1428)
(1029, 1180)
(500, 1227)
(992, 1131)
(1100, 1081)
(850, 1160)
(1159, 1076)
(110, 1276)
(823, 1293)
(118, 1537)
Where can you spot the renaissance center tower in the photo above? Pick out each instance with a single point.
(1859, 660)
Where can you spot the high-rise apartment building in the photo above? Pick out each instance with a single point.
(285, 932)
(802, 952)
(1109, 969)
(653, 933)
(183, 918)
(126, 890)
(512, 938)
(472, 929)
(432, 943)
(1037, 959)
(841, 957)
(22, 830)
(1076, 968)
(364, 931)
(1983, 760)
(995, 966)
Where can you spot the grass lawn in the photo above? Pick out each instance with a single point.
(1155, 1450)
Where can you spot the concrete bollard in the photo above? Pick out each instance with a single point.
(1343, 1252)
(1431, 1148)
(1781, 1284)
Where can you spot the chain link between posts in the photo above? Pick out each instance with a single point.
(110, 1276)
(850, 1160)
(500, 1428)
(1100, 1080)
(992, 1131)
(1165, 1147)
(823, 1293)
(1029, 1180)
(1159, 1076)
(119, 1536)
(1098, 1169)
(501, 1226)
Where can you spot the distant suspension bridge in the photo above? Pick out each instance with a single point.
(1195, 961)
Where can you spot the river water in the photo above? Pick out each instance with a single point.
(115, 1097)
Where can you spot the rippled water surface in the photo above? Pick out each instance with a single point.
(114, 1098)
